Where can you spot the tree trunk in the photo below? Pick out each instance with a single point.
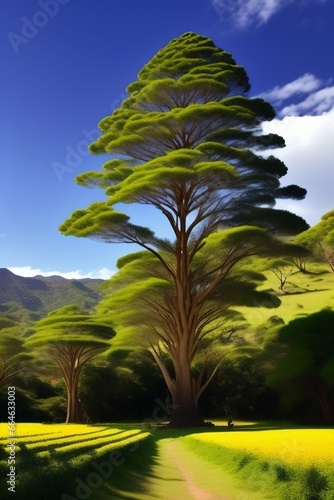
(322, 395)
(185, 413)
(184, 398)
(73, 399)
(331, 260)
(324, 400)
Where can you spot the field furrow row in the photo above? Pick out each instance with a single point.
(96, 442)
(140, 436)
(74, 438)
(31, 437)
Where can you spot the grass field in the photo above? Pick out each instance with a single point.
(67, 461)
(282, 463)
(253, 461)
(271, 461)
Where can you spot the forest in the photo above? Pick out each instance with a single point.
(260, 348)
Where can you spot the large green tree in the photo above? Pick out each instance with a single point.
(320, 238)
(70, 338)
(187, 141)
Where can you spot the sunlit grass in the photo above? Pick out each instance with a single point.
(54, 440)
(260, 459)
(96, 444)
(310, 298)
(53, 456)
(294, 446)
(33, 429)
(284, 463)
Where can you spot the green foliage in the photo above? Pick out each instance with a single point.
(12, 357)
(69, 325)
(186, 119)
(320, 238)
(26, 407)
(304, 365)
(122, 387)
(53, 407)
(239, 389)
(6, 322)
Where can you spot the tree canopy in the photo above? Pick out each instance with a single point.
(12, 354)
(188, 142)
(320, 238)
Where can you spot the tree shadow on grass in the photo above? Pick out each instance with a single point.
(163, 432)
(116, 475)
(129, 479)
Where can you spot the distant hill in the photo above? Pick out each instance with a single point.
(35, 297)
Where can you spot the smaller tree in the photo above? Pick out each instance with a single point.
(320, 238)
(11, 356)
(282, 273)
(300, 262)
(71, 338)
(303, 369)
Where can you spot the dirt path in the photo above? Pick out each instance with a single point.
(179, 474)
(195, 492)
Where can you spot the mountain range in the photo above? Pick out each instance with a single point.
(33, 298)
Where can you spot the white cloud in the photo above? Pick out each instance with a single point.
(317, 101)
(242, 13)
(315, 104)
(303, 85)
(28, 272)
(308, 155)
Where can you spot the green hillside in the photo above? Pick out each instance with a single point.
(27, 299)
(304, 293)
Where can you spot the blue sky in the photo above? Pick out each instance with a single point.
(66, 64)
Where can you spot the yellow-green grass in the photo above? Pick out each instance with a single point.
(285, 463)
(45, 439)
(76, 442)
(99, 446)
(302, 447)
(50, 457)
(267, 462)
(305, 294)
(35, 430)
